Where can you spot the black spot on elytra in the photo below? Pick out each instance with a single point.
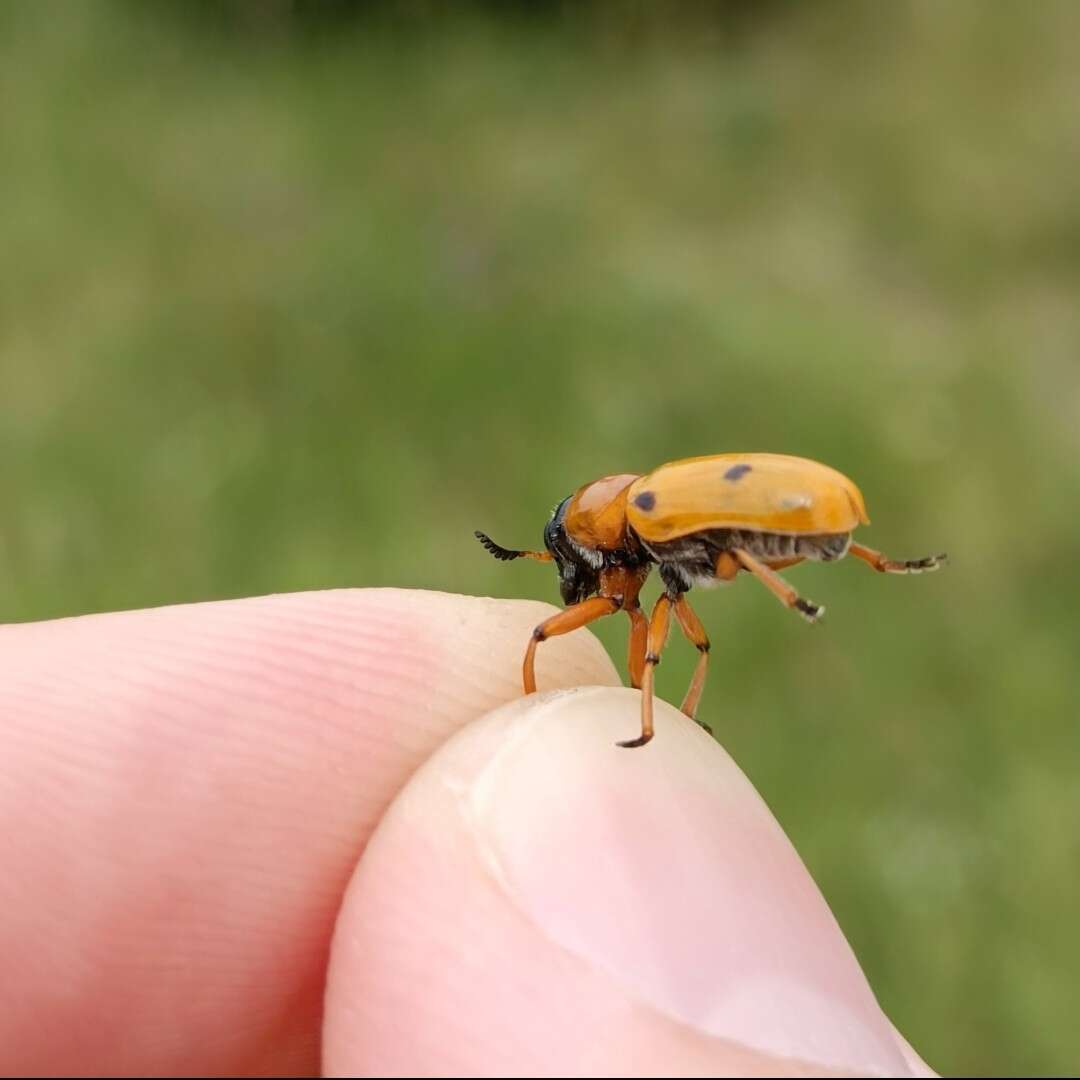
(736, 472)
(645, 501)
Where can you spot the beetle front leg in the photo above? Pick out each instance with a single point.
(639, 644)
(573, 618)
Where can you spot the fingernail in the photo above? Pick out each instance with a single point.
(662, 867)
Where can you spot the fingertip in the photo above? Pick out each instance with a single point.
(539, 900)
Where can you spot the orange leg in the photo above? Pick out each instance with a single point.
(779, 587)
(639, 644)
(695, 634)
(893, 566)
(573, 618)
(659, 625)
(783, 564)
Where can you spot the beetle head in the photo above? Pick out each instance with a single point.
(579, 567)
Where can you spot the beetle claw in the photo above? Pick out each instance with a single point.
(809, 611)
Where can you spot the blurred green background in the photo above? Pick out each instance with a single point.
(295, 296)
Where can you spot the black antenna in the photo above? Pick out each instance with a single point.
(500, 553)
(504, 554)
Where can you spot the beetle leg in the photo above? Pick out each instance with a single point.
(573, 618)
(779, 587)
(695, 634)
(639, 644)
(894, 566)
(783, 564)
(659, 625)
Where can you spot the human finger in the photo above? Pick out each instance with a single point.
(185, 792)
(540, 902)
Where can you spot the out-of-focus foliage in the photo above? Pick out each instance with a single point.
(291, 300)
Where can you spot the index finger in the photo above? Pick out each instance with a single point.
(186, 791)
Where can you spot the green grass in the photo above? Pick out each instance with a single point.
(288, 308)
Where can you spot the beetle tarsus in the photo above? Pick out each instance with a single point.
(925, 566)
(884, 565)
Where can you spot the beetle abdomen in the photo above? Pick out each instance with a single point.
(692, 559)
(821, 547)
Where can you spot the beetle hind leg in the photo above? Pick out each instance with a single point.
(886, 565)
(784, 592)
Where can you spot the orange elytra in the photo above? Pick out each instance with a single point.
(700, 521)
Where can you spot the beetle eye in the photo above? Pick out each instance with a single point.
(553, 532)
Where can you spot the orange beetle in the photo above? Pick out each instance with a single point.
(701, 521)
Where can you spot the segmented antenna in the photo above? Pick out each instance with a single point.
(505, 554)
(500, 553)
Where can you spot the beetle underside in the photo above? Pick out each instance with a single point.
(691, 560)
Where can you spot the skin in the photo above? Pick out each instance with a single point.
(239, 839)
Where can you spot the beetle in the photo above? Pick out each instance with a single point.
(701, 521)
